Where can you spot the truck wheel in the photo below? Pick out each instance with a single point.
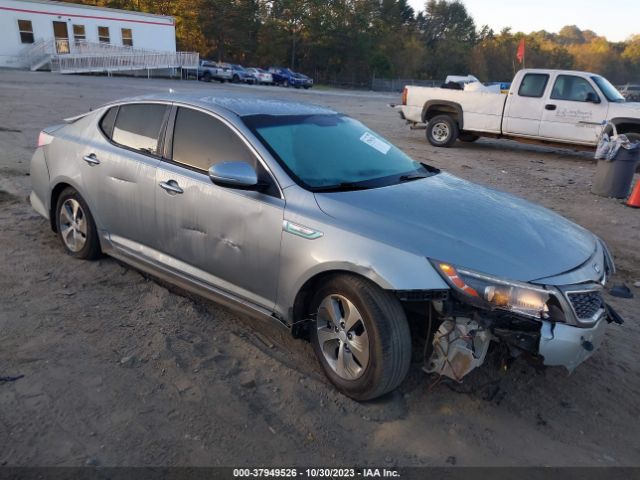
(361, 336)
(467, 137)
(285, 84)
(206, 76)
(442, 131)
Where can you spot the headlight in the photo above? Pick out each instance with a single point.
(496, 293)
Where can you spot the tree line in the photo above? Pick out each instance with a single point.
(352, 41)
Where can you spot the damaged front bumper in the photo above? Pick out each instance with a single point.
(568, 346)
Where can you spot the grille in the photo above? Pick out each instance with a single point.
(586, 304)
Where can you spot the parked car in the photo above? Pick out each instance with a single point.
(261, 76)
(326, 228)
(548, 106)
(286, 77)
(631, 93)
(239, 74)
(209, 70)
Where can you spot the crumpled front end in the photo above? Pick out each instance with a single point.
(551, 325)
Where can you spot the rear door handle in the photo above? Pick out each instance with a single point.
(171, 187)
(91, 159)
(550, 106)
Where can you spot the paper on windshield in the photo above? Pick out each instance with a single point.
(375, 142)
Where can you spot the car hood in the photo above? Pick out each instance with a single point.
(625, 109)
(449, 219)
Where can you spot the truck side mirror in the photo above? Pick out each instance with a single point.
(592, 98)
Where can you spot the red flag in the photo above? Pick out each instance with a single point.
(520, 54)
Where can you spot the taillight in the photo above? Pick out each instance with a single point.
(44, 139)
(404, 96)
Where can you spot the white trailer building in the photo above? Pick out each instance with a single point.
(72, 38)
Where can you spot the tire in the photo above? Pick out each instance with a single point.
(307, 87)
(468, 137)
(285, 84)
(442, 131)
(378, 323)
(235, 79)
(76, 228)
(206, 76)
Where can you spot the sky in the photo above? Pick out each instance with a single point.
(615, 20)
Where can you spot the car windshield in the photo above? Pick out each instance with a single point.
(333, 152)
(609, 91)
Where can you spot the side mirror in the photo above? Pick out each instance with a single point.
(234, 175)
(592, 98)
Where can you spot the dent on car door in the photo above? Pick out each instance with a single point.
(225, 237)
(525, 106)
(125, 187)
(574, 111)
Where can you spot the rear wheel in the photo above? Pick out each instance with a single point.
(361, 336)
(442, 131)
(206, 77)
(285, 84)
(76, 227)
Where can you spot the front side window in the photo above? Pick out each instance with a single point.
(127, 37)
(533, 85)
(26, 31)
(138, 126)
(103, 35)
(200, 141)
(572, 88)
(329, 152)
(79, 34)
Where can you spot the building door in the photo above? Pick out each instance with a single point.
(61, 36)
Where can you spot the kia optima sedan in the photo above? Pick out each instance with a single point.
(298, 214)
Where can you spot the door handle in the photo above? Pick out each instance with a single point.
(550, 106)
(171, 187)
(91, 159)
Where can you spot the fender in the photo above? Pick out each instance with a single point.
(628, 124)
(450, 107)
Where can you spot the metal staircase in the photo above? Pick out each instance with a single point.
(89, 57)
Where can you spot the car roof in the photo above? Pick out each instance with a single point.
(238, 104)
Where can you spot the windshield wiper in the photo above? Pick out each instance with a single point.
(412, 176)
(341, 187)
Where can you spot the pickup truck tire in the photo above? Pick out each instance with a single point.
(285, 84)
(467, 137)
(442, 131)
(206, 76)
(361, 336)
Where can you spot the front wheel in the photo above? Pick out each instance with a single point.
(76, 227)
(361, 337)
(285, 84)
(442, 131)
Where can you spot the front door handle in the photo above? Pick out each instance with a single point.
(550, 106)
(91, 159)
(171, 187)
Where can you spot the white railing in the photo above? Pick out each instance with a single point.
(121, 62)
(101, 57)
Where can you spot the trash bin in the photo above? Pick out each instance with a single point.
(617, 159)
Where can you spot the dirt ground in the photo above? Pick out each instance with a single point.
(120, 370)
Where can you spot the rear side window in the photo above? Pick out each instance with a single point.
(138, 126)
(108, 120)
(533, 85)
(200, 141)
(572, 88)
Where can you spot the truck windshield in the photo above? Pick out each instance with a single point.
(334, 152)
(607, 89)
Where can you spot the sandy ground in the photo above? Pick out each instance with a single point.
(120, 370)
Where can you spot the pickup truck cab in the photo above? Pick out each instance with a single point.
(208, 71)
(545, 106)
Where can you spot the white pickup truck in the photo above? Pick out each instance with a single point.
(542, 106)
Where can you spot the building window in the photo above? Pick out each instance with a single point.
(26, 31)
(127, 37)
(79, 34)
(103, 35)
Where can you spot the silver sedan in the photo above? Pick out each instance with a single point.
(298, 214)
